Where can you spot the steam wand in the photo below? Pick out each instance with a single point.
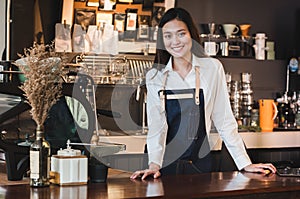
(72, 143)
(285, 98)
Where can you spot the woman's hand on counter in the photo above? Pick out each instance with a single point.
(152, 171)
(259, 176)
(261, 168)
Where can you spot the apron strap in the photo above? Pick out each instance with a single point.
(197, 90)
(165, 80)
(161, 93)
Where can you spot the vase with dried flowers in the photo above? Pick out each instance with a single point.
(42, 88)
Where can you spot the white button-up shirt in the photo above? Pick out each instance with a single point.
(217, 107)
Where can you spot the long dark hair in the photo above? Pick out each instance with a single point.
(162, 55)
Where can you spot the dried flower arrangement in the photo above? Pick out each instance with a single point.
(42, 88)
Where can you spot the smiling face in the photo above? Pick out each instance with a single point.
(177, 39)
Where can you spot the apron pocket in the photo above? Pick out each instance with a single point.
(193, 124)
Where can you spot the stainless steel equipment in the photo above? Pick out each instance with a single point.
(228, 81)
(246, 98)
(121, 69)
(119, 88)
(235, 99)
(241, 97)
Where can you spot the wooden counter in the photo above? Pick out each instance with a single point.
(209, 185)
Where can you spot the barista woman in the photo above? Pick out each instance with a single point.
(186, 93)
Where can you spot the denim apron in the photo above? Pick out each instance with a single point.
(187, 148)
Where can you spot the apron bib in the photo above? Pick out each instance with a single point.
(187, 148)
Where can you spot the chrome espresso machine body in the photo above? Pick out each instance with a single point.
(120, 69)
(119, 91)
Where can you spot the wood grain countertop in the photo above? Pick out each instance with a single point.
(206, 185)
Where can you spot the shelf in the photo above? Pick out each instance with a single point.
(136, 47)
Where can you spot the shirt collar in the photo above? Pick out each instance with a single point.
(170, 64)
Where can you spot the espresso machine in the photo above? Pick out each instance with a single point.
(287, 109)
(286, 104)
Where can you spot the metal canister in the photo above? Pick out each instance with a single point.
(235, 98)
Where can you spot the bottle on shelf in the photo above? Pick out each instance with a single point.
(39, 160)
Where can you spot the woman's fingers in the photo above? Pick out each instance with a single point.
(136, 174)
(149, 172)
(145, 173)
(157, 175)
(263, 168)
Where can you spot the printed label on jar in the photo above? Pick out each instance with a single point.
(34, 164)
